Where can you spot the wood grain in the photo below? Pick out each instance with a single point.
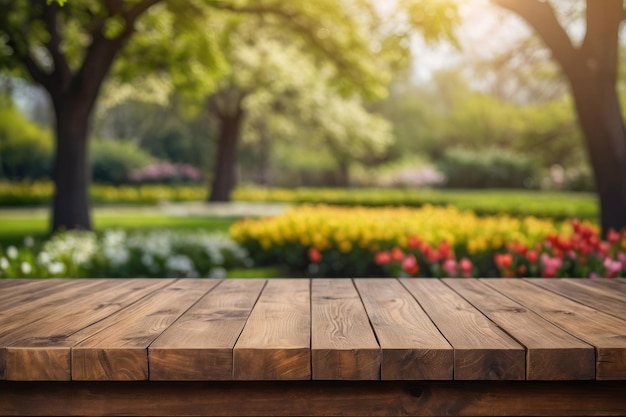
(30, 296)
(412, 347)
(611, 302)
(607, 285)
(275, 342)
(314, 398)
(607, 333)
(120, 350)
(199, 345)
(41, 349)
(551, 353)
(343, 345)
(481, 350)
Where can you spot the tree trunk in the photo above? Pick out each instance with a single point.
(592, 72)
(343, 171)
(224, 178)
(600, 118)
(70, 208)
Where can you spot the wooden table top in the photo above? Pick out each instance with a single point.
(320, 329)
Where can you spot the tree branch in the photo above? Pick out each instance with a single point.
(62, 71)
(300, 25)
(137, 10)
(541, 17)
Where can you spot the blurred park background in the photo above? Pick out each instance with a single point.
(215, 138)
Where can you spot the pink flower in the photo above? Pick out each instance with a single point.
(466, 267)
(612, 267)
(450, 267)
(550, 265)
(410, 266)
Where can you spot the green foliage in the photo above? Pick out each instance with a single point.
(25, 149)
(113, 160)
(487, 168)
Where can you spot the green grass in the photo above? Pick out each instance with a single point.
(15, 225)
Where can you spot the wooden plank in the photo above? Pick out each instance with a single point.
(31, 307)
(199, 345)
(40, 311)
(551, 353)
(481, 350)
(34, 290)
(120, 350)
(607, 285)
(605, 332)
(343, 345)
(595, 299)
(412, 347)
(314, 398)
(275, 342)
(6, 283)
(41, 350)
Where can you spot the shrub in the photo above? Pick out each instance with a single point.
(491, 168)
(166, 172)
(26, 151)
(112, 161)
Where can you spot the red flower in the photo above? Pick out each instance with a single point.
(314, 255)
(383, 258)
(532, 256)
(414, 242)
(433, 256)
(397, 254)
(612, 236)
(504, 260)
(410, 266)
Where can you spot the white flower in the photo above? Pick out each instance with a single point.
(56, 268)
(26, 268)
(147, 259)
(12, 252)
(43, 258)
(217, 272)
(4, 263)
(180, 265)
(29, 241)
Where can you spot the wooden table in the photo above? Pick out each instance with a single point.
(313, 347)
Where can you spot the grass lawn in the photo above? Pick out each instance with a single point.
(16, 224)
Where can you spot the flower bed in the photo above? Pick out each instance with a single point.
(116, 253)
(338, 241)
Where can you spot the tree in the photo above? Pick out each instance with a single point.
(362, 58)
(592, 71)
(71, 49)
(273, 78)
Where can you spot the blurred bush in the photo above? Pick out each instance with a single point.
(488, 168)
(112, 161)
(166, 173)
(568, 179)
(26, 150)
